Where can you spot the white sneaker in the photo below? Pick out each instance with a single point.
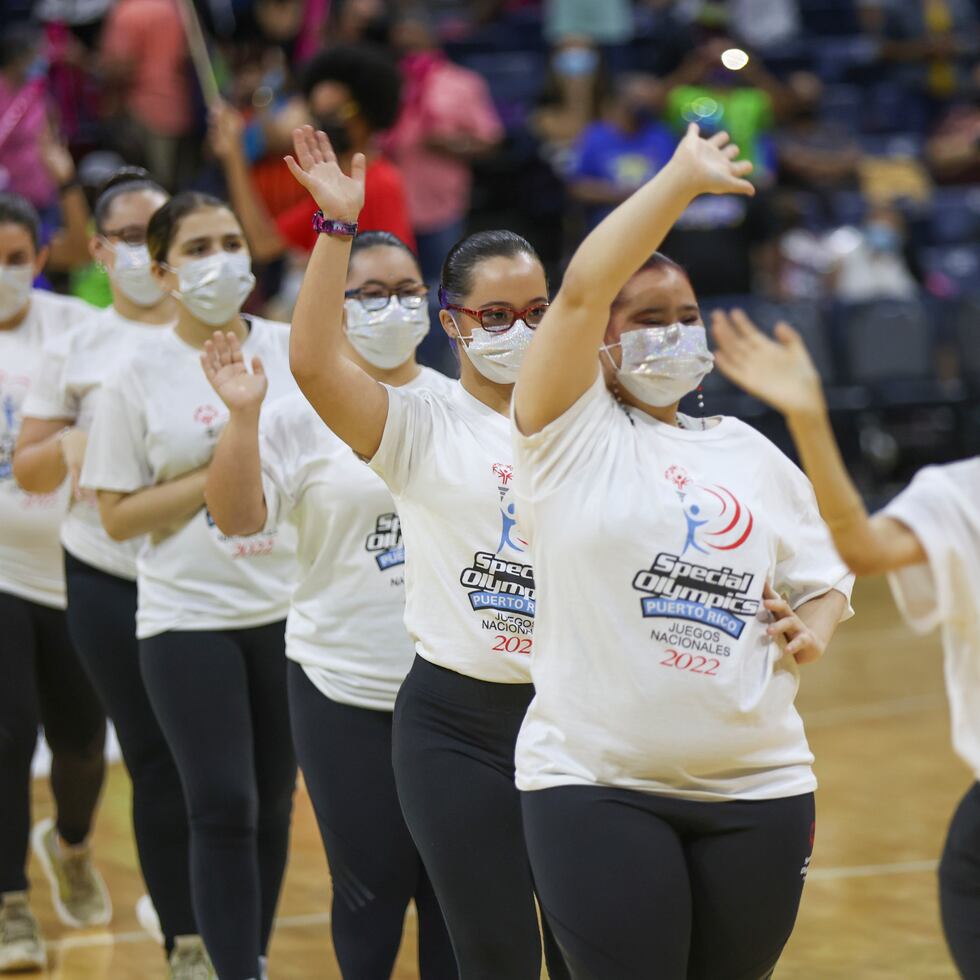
(21, 948)
(263, 968)
(78, 893)
(146, 916)
(189, 960)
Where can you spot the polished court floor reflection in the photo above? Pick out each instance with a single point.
(889, 782)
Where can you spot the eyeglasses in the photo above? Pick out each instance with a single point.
(497, 319)
(133, 235)
(375, 298)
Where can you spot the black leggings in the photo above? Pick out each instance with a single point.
(637, 885)
(43, 683)
(220, 698)
(453, 752)
(345, 755)
(959, 885)
(102, 622)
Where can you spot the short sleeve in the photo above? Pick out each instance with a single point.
(568, 445)
(116, 455)
(278, 476)
(48, 397)
(807, 565)
(407, 436)
(934, 510)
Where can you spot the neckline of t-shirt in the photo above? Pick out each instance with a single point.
(250, 321)
(722, 427)
(476, 405)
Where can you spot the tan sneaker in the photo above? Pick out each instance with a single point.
(78, 892)
(21, 948)
(189, 960)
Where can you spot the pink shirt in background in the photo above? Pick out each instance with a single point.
(441, 99)
(23, 118)
(148, 36)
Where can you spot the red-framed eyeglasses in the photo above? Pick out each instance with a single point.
(497, 319)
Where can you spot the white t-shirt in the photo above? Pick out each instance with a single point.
(469, 587)
(652, 669)
(346, 624)
(31, 562)
(68, 387)
(159, 418)
(942, 507)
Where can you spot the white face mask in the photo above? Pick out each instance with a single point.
(498, 356)
(214, 288)
(132, 277)
(662, 364)
(386, 337)
(15, 289)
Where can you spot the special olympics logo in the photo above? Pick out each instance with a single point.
(504, 472)
(206, 414)
(716, 518)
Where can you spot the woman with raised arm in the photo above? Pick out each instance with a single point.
(927, 540)
(346, 641)
(100, 573)
(446, 458)
(210, 609)
(667, 789)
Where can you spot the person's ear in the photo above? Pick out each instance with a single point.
(97, 249)
(448, 324)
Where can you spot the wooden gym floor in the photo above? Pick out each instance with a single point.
(889, 782)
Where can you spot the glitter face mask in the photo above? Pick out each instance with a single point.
(662, 364)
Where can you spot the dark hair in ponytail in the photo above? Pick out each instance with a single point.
(162, 229)
(126, 180)
(459, 269)
(17, 210)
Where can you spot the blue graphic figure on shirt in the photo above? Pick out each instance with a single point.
(509, 522)
(691, 513)
(7, 439)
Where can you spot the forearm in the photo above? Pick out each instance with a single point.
(39, 467)
(233, 491)
(158, 508)
(822, 614)
(69, 248)
(264, 240)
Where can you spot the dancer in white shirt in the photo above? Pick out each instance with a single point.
(346, 640)
(927, 540)
(446, 458)
(210, 609)
(43, 683)
(100, 573)
(667, 788)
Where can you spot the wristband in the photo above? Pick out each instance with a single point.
(330, 226)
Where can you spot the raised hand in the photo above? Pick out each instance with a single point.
(711, 164)
(55, 156)
(777, 371)
(226, 126)
(315, 166)
(224, 365)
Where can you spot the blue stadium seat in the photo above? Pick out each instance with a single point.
(955, 215)
(849, 207)
(515, 79)
(843, 106)
(887, 341)
(957, 265)
(967, 332)
(829, 17)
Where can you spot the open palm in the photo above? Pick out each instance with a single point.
(224, 365)
(315, 166)
(712, 163)
(776, 370)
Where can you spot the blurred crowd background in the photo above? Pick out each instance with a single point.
(862, 118)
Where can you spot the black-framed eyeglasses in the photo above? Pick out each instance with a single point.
(131, 235)
(375, 298)
(497, 319)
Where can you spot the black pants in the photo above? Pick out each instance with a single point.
(43, 683)
(102, 623)
(345, 755)
(959, 885)
(453, 752)
(638, 886)
(220, 698)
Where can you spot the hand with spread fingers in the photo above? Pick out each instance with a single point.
(800, 641)
(224, 365)
(778, 370)
(712, 163)
(315, 166)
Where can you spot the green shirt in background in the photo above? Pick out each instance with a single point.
(91, 283)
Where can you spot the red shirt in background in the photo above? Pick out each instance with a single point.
(385, 209)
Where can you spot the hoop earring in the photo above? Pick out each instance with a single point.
(701, 399)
